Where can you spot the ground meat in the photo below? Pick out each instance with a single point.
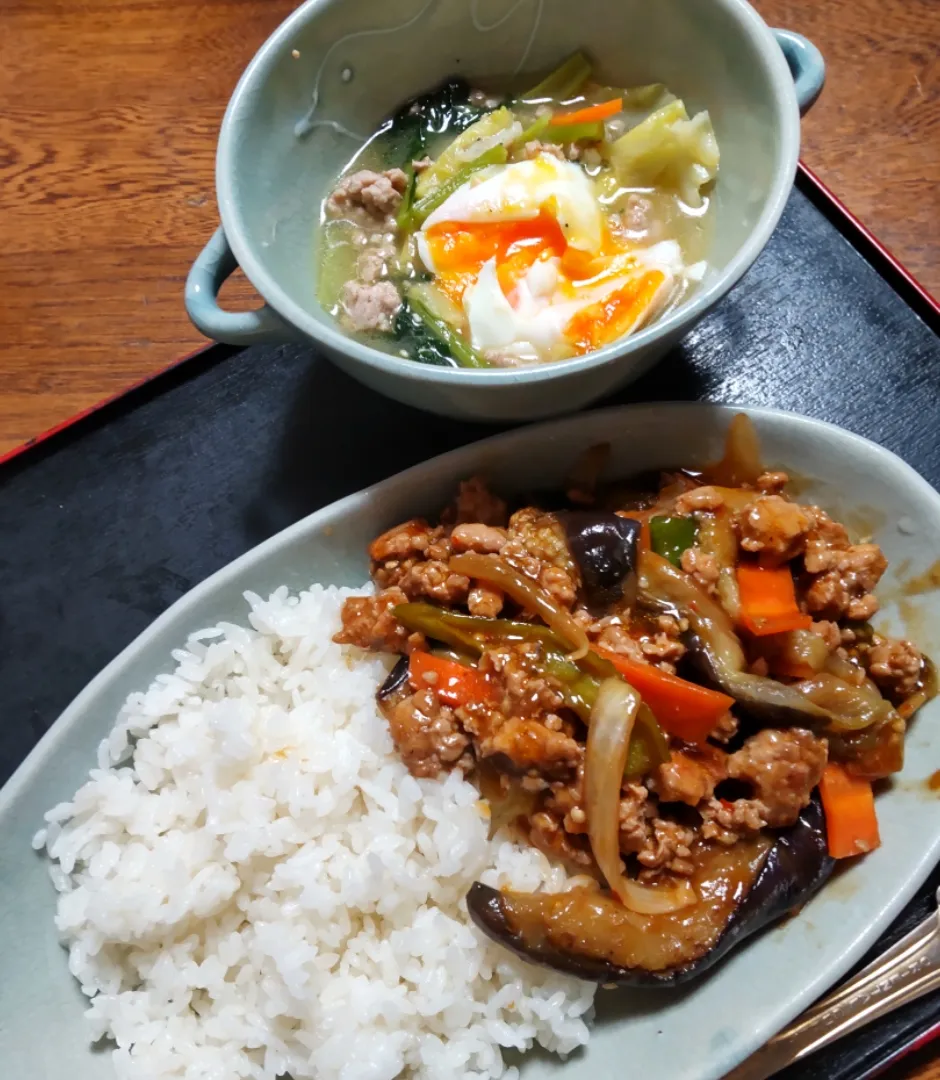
(782, 767)
(774, 526)
(637, 216)
(826, 536)
(702, 566)
(475, 503)
(422, 164)
(522, 724)
(434, 580)
(368, 197)
(844, 587)
(726, 729)
(370, 307)
(411, 538)
(688, 778)
(482, 538)
(533, 148)
(413, 557)
(669, 848)
(538, 547)
(427, 734)
(531, 745)
(611, 634)
(369, 623)
(370, 267)
(727, 822)
(636, 812)
(485, 600)
(557, 842)
(662, 650)
(772, 483)
(896, 667)
(700, 498)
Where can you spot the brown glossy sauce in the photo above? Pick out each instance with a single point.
(592, 923)
(928, 581)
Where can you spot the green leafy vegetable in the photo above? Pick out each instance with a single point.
(423, 208)
(446, 108)
(534, 131)
(460, 153)
(668, 150)
(443, 333)
(564, 81)
(420, 344)
(571, 133)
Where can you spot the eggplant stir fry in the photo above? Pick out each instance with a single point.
(670, 684)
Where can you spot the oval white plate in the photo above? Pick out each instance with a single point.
(696, 1034)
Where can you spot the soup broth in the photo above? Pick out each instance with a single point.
(497, 229)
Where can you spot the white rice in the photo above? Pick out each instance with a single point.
(252, 884)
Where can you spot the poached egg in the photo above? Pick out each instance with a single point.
(528, 253)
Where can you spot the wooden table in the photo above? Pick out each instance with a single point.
(107, 143)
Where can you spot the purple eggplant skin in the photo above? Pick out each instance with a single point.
(772, 703)
(795, 869)
(395, 680)
(604, 547)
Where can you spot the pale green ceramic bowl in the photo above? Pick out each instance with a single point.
(345, 65)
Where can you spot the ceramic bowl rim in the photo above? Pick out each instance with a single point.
(254, 78)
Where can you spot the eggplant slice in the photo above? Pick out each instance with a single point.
(604, 547)
(588, 933)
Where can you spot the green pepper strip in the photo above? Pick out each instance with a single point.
(580, 681)
(563, 81)
(670, 536)
(451, 338)
(570, 133)
(423, 208)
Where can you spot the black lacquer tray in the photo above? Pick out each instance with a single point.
(109, 519)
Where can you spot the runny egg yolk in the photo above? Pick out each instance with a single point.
(527, 253)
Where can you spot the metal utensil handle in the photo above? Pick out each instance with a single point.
(905, 972)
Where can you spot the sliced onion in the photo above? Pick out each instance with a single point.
(851, 708)
(716, 537)
(608, 743)
(741, 463)
(526, 592)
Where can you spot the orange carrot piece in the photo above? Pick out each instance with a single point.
(684, 709)
(768, 600)
(455, 683)
(588, 115)
(849, 805)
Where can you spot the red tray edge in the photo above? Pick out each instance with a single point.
(809, 176)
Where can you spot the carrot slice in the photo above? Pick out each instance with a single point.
(590, 114)
(684, 709)
(455, 683)
(768, 600)
(849, 805)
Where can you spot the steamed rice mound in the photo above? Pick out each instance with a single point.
(252, 884)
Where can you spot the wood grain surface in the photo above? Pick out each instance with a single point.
(107, 142)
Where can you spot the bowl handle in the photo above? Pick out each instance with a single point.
(212, 266)
(806, 64)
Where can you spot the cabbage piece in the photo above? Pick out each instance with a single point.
(493, 129)
(668, 150)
